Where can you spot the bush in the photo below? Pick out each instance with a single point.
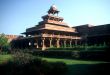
(53, 53)
(88, 55)
(81, 47)
(4, 45)
(27, 64)
(22, 58)
(75, 54)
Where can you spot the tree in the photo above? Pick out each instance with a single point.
(3, 41)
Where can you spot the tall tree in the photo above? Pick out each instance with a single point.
(3, 41)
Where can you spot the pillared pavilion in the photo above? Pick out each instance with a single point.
(51, 32)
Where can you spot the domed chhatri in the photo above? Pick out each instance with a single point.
(53, 10)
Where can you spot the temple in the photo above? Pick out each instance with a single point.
(51, 32)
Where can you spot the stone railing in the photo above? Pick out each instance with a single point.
(55, 36)
(60, 36)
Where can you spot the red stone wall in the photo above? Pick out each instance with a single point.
(11, 37)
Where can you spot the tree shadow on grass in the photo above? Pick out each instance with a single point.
(89, 69)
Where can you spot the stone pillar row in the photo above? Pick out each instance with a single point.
(50, 43)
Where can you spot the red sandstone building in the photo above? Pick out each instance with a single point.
(11, 37)
(94, 34)
(53, 32)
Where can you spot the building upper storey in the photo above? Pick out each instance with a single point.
(51, 21)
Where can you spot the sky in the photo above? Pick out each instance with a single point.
(17, 15)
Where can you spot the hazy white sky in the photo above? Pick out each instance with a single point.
(17, 15)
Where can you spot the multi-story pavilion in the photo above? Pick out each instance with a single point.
(51, 32)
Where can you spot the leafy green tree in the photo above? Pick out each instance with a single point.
(3, 41)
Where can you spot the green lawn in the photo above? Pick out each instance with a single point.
(81, 67)
(71, 61)
(5, 58)
(75, 67)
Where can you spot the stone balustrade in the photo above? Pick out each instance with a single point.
(60, 36)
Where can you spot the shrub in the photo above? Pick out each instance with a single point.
(22, 58)
(82, 47)
(27, 64)
(75, 54)
(4, 45)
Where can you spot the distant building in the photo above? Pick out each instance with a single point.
(11, 37)
(94, 34)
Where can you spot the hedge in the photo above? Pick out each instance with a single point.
(79, 48)
(88, 55)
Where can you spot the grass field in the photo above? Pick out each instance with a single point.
(75, 67)
(82, 67)
(71, 61)
(5, 58)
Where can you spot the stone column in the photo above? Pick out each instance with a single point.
(36, 44)
(26, 35)
(75, 42)
(30, 44)
(50, 42)
(65, 43)
(70, 43)
(58, 45)
(43, 44)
